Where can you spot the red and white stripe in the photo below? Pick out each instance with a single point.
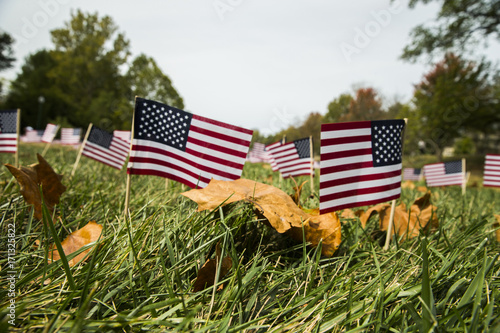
(114, 156)
(347, 176)
(214, 150)
(272, 160)
(491, 176)
(124, 135)
(49, 133)
(8, 142)
(435, 175)
(68, 137)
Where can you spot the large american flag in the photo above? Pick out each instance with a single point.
(412, 174)
(272, 160)
(106, 148)
(49, 133)
(185, 147)
(8, 131)
(360, 163)
(491, 176)
(444, 174)
(70, 136)
(293, 158)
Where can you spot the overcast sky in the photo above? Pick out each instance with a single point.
(260, 64)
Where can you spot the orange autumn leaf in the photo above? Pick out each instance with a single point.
(348, 214)
(33, 177)
(275, 205)
(208, 272)
(408, 184)
(365, 216)
(75, 241)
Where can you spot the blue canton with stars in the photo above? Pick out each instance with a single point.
(8, 121)
(161, 123)
(387, 142)
(302, 147)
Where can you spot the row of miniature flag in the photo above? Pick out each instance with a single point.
(360, 163)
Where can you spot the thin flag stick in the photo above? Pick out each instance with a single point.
(312, 163)
(81, 150)
(464, 177)
(49, 143)
(18, 129)
(129, 176)
(393, 205)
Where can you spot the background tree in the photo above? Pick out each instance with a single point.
(366, 105)
(452, 98)
(461, 25)
(338, 108)
(147, 80)
(6, 53)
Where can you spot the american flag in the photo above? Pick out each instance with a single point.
(258, 153)
(412, 174)
(185, 147)
(272, 160)
(49, 133)
(32, 135)
(124, 135)
(8, 131)
(293, 158)
(444, 174)
(70, 136)
(360, 163)
(106, 148)
(492, 171)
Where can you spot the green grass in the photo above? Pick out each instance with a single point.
(140, 274)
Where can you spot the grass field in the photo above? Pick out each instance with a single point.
(140, 274)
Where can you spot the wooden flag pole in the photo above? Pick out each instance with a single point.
(49, 143)
(18, 130)
(312, 163)
(81, 150)
(129, 176)
(464, 177)
(393, 204)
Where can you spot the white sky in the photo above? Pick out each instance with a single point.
(253, 63)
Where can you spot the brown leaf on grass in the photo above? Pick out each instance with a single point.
(422, 189)
(31, 178)
(348, 214)
(496, 224)
(274, 204)
(365, 216)
(408, 184)
(208, 272)
(75, 241)
(407, 223)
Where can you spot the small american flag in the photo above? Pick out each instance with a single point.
(258, 153)
(32, 135)
(293, 158)
(49, 133)
(492, 171)
(360, 163)
(412, 174)
(444, 174)
(124, 135)
(272, 160)
(185, 147)
(8, 131)
(106, 148)
(70, 136)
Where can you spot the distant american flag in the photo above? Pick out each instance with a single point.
(360, 163)
(444, 174)
(258, 154)
(185, 147)
(49, 133)
(32, 135)
(293, 158)
(124, 135)
(102, 146)
(272, 160)
(8, 131)
(70, 136)
(491, 176)
(412, 174)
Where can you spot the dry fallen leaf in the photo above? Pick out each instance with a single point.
(275, 205)
(408, 223)
(76, 240)
(31, 178)
(408, 184)
(348, 214)
(208, 272)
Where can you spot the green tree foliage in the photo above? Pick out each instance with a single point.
(454, 97)
(146, 80)
(460, 25)
(366, 105)
(6, 52)
(34, 81)
(338, 108)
